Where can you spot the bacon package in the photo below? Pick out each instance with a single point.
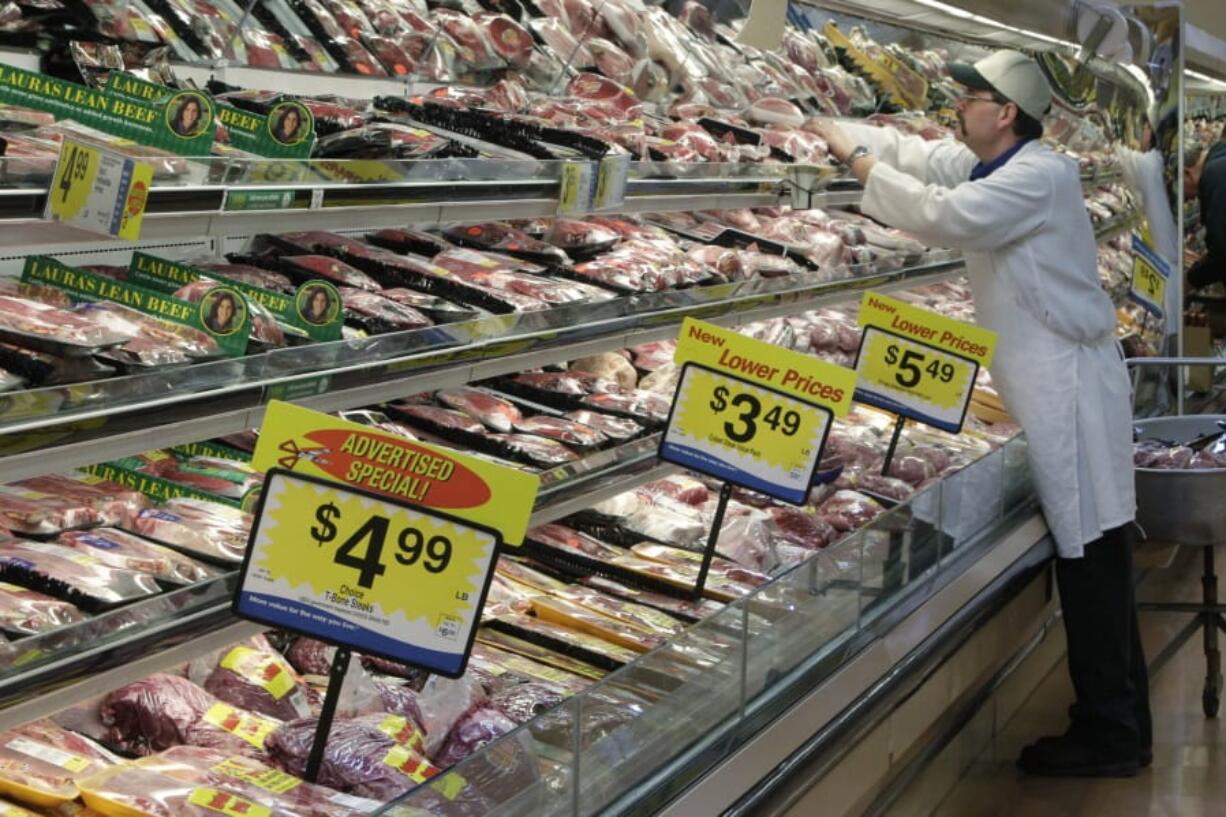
(209, 529)
(26, 612)
(119, 549)
(70, 575)
(166, 710)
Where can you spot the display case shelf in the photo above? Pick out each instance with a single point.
(54, 429)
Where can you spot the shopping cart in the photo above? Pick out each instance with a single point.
(1186, 508)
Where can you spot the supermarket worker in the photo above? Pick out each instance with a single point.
(1015, 209)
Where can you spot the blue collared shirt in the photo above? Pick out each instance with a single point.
(983, 170)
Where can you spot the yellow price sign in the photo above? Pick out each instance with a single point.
(1149, 277)
(100, 191)
(750, 435)
(575, 192)
(914, 379)
(356, 569)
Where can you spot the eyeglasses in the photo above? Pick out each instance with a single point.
(969, 100)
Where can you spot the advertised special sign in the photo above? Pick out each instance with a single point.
(99, 191)
(750, 413)
(353, 568)
(1149, 277)
(222, 313)
(918, 364)
(314, 444)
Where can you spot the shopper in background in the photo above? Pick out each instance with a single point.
(1015, 209)
(1204, 178)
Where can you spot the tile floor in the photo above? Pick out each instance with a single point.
(1188, 776)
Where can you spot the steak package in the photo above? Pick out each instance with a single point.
(217, 532)
(31, 323)
(136, 791)
(376, 315)
(258, 679)
(29, 511)
(496, 413)
(111, 502)
(26, 612)
(119, 549)
(166, 710)
(71, 575)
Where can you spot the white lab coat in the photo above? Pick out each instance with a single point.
(1143, 173)
(1032, 263)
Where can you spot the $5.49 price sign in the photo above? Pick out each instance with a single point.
(918, 364)
(746, 434)
(99, 191)
(354, 568)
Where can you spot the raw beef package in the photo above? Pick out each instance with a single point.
(26, 612)
(119, 549)
(71, 575)
(257, 678)
(41, 764)
(209, 529)
(134, 791)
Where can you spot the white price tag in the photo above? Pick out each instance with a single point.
(611, 182)
(575, 193)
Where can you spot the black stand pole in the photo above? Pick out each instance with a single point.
(889, 454)
(725, 493)
(336, 679)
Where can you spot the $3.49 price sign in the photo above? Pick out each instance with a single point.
(99, 191)
(914, 379)
(356, 569)
(746, 434)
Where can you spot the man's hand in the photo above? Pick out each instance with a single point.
(839, 141)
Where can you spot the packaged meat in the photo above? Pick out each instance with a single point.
(639, 616)
(214, 531)
(655, 355)
(255, 781)
(523, 702)
(562, 430)
(165, 710)
(440, 420)
(801, 527)
(43, 369)
(248, 274)
(111, 503)
(119, 549)
(615, 428)
(539, 451)
(518, 670)
(264, 326)
(361, 758)
(71, 575)
(682, 609)
(31, 323)
(228, 479)
(609, 366)
(25, 612)
(154, 342)
(639, 405)
(410, 241)
(261, 681)
(303, 268)
(39, 776)
(580, 237)
(497, 414)
(134, 791)
(376, 314)
(623, 630)
(474, 730)
(569, 50)
(528, 649)
(495, 235)
(589, 648)
(847, 510)
(509, 40)
(580, 544)
(438, 309)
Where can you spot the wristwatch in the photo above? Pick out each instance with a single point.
(858, 152)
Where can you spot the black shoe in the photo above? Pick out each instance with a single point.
(1065, 756)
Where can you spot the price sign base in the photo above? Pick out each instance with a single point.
(358, 570)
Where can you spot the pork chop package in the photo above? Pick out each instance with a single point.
(37, 513)
(134, 791)
(209, 529)
(119, 549)
(166, 710)
(364, 756)
(255, 781)
(254, 677)
(26, 612)
(71, 575)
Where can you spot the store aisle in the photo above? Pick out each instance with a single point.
(1186, 778)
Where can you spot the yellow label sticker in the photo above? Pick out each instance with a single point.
(228, 804)
(573, 194)
(270, 780)
(1149, 276)
(314, 444)
(410, 764)
(957, 337)
(403, 731)
(261, 669)
(251, 728)
(811, 380)
(49, 754)
(449, 785)
(333, 563)
(100, 191)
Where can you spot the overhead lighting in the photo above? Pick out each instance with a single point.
(1204, 77)
(963, 14)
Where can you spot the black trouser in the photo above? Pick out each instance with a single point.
(1105, 658)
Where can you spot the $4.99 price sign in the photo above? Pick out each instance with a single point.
(99, 191)
(750, 413)
(917, 363)
(354, 568)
